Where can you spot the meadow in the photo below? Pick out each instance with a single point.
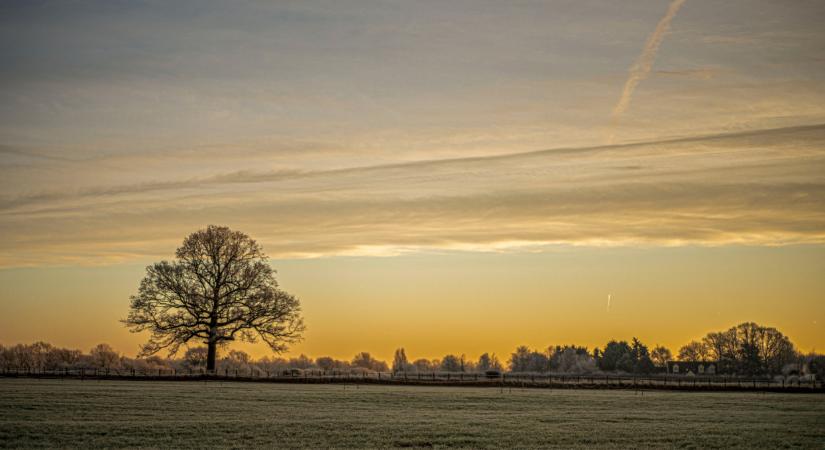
(98, 413)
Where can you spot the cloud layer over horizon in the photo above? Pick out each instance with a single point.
(755, 188)
(384, 127)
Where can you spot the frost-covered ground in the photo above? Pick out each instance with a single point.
(73, 413)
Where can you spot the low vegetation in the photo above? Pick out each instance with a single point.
(93, 414)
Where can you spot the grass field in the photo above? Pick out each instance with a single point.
(55, 413)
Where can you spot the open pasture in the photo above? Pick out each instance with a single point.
(73, 413)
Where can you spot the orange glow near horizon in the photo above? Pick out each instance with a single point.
(469, 303)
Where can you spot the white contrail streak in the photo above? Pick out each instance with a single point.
(640, 70)
(609, 297)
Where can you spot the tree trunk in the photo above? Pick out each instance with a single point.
(210, 356)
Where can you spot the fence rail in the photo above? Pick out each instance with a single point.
(670, 382)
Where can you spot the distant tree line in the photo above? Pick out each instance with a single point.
(746, 349)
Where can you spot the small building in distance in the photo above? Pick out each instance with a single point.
(692, 367)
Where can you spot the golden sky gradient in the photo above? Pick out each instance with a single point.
(444, 176)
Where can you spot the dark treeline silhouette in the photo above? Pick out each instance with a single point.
(747, 349)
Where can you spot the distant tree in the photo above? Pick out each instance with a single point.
(721, 345)
(520, 359)
(451, 363)
(488, 362)
(626, 363)
(748, 348)
(597, 356)
(154, 362)
(641, 357)
(572, 359)
(466, 365)
(762, 349)
(613, 353)
(816, 365)
(325, 363)
(104, 356)
(526, 360)
(660, 356)
(365, 361)
(693, 351)
(425, 365)
(219, 289)
(236, 360)
(60, 358)
(399, 362)
(195, 357)
(301, 362)
(539, 362)
(269, 364)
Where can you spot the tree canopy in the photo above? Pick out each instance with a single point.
(220, 288)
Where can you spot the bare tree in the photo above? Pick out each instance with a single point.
(104, 356)
(693, 351)
(219, 289)
(364, 360)
(660, 355)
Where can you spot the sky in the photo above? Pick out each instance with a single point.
(450, 177)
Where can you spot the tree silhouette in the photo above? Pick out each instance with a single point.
(693, 351)
(661, 355)
(219, 289)
(399, 362)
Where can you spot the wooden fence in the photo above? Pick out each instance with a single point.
(670, 382)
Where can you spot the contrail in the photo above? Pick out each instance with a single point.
(641, 68)
(609, 297)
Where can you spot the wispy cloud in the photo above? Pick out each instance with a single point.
(641, 68)
(760, 187)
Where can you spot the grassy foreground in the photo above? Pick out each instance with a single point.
(61, 413)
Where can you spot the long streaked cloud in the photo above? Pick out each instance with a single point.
(641, 68)
(760, 187)
(250, 177)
